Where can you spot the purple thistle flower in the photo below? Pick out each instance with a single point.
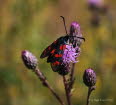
(70, 54)
(89, 77)
(29, 59)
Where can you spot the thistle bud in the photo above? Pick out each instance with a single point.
(76, 33)
(29, 59)
(74, 29)
(89, 77)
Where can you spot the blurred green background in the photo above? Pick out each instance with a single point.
(33, 25)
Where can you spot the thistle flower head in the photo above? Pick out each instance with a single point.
(29, 59)
(89, 77)
(70, 54)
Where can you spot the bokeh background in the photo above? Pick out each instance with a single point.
(33, 25)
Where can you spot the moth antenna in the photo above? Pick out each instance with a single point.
(81, 38)
(64, 24)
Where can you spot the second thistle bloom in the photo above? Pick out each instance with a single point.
(95, 4)
(98, 6)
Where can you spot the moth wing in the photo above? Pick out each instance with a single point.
(46, 52)
(51, 48)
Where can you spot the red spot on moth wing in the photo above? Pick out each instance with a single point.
(54, 68)
(56, 63)
(58, 55)
(49, 48)
(52, 52)
(62, 47)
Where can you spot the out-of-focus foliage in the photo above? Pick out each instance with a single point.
(33, 25)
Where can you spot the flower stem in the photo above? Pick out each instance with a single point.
(90, 89)
(89, 92)
(72, 78)
(67, 90)
(46, 84)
